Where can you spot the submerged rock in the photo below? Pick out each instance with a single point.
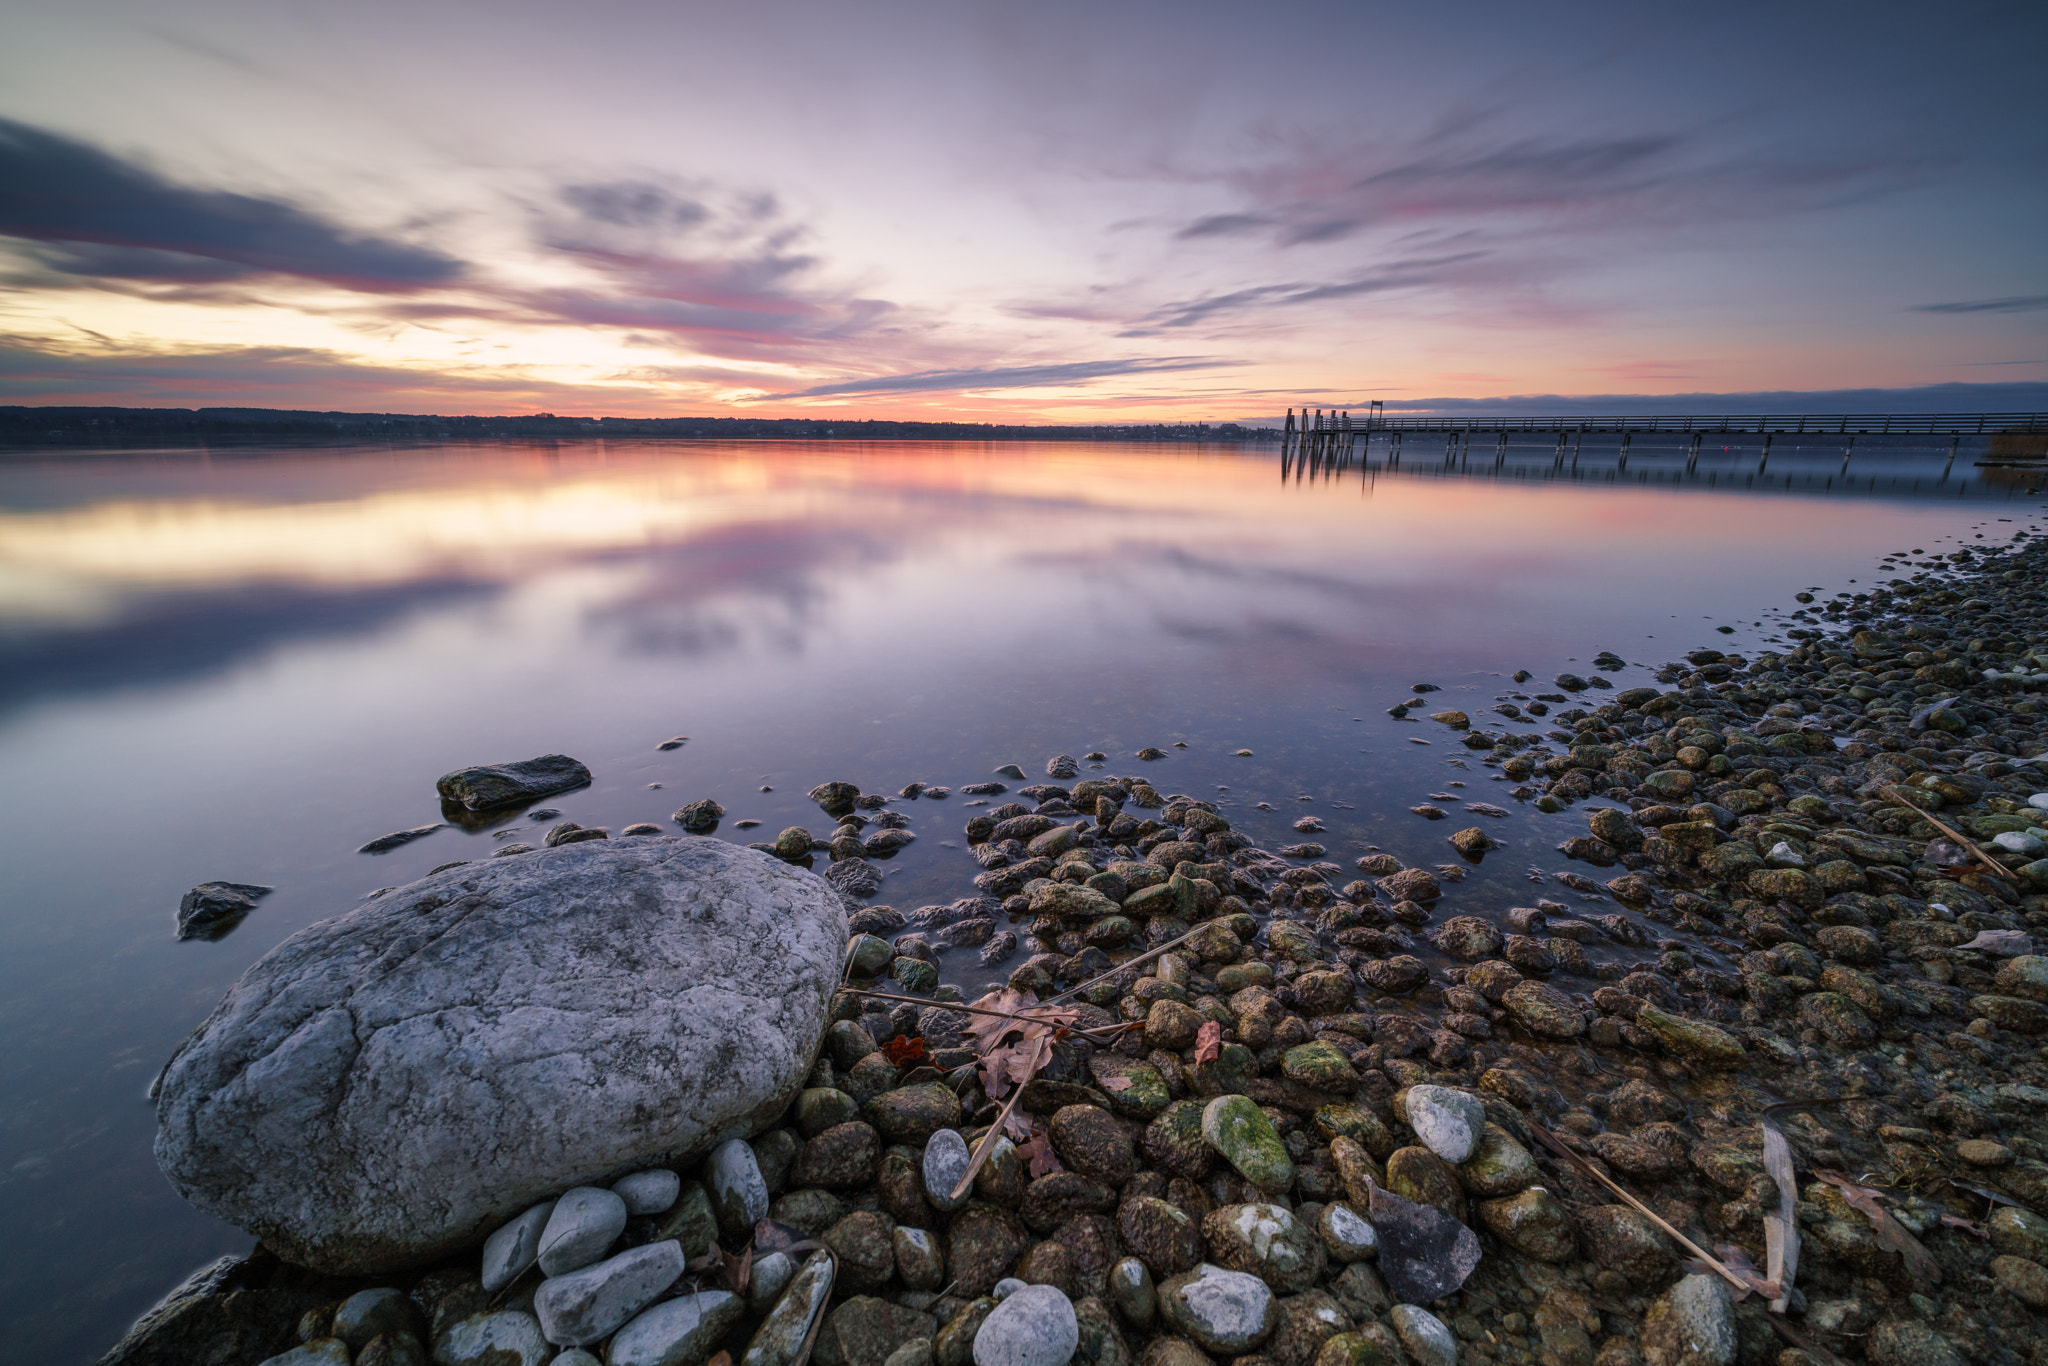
(385, 1087)
(211, 909)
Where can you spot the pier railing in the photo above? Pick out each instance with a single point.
(1827, 424)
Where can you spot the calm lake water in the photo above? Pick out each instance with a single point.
(243, 664)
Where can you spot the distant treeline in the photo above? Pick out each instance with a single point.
(124, 426)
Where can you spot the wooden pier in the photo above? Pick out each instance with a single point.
(1318, 436)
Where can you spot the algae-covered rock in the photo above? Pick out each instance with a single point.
(1239, 1131)
(1705, 1044)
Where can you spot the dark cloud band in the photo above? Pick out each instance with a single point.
(93, 214)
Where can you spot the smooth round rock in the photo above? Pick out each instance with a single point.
(684, 1329)
(1348, 1235)
(1428, 1341)
(945, 1162)
(367, 1313)
(739, 1197)
(586, 1305)
(1693, 1324)
(1229, 1312)
(584, 1223)
(1034, 1325)
(505, 1338)
(1448, 1122)
(1267, 1241)
(770, 1277)
(648, 1192)
(1130, 1285)
(513, 1248)
(387, 1086)
(1006, 1287)
(1238, 1130)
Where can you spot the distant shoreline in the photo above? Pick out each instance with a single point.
(100, 427)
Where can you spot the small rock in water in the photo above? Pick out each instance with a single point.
(398, 837)
(699, 817)
(568, 832)
(1062, 766)
(641, 828)
(584, 1222)
(854, 877)
(506, 851)
(211, 909)
(649, 1192)
(1448, 1122)
(945, 1162)
(1033, 1326)
(1692, 1325)
(674, 742)
(515, 1247)
(686, 1329)
(1425, 1254)
(1428, 1341)
(592, 1303)
(1010, 771)
(502, 784)
(542, 813)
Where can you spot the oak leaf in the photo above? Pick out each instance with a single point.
(1208, 1043)
(1919, 1261)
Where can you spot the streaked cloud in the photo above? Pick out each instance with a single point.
(2018, 303)
(86, 212)
(1011, 377)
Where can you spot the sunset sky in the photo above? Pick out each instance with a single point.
(1047, 212)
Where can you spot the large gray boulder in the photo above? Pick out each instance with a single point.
(387, 1087)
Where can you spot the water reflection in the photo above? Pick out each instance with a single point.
(244, 670)
(1882, 466)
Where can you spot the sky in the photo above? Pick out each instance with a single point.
(1058, 212)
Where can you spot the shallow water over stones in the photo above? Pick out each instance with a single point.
(354, 628)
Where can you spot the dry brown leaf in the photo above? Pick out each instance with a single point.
(1208, 1043)
(1117, 1083)
(722, 1359)
(1781, 1229)
(1037, 1151)
(1013, 1049)
(1966, 1225)
(1919, 1261)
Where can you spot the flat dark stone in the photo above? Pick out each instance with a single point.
(398, 837)
(211, 909)
(502, 784)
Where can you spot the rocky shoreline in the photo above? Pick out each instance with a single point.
(1352, 1123)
